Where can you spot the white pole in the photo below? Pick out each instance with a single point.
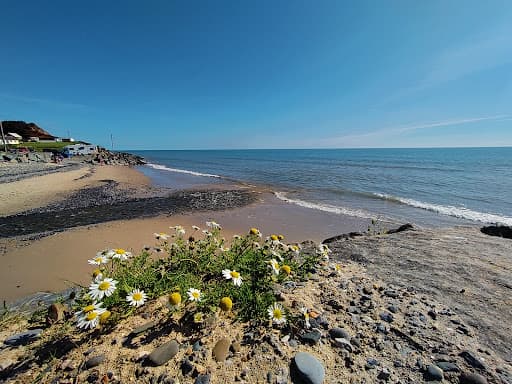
(3, 136)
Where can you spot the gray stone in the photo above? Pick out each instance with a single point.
(386, 316)
(343, 343)
(472, 360)
(94, 361)
(23, 338)
(391, 293)
(434, 373)
(197, 346)
(307, 369)
(447, 366)
(472, 378)
(186, 367)
(202, 379)
(164, 353)
(384, 374)
(221, 349)
(371, 363)
(143, 328)
(337, 333)
(393, 308)
(311, 337)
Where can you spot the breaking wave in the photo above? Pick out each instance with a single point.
(460, 212)
(164, 168)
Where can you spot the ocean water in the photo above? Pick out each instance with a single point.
(432, 187)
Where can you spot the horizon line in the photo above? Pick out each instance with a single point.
(317, 148)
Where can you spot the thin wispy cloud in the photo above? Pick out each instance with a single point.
(45, 102)
(366, 137)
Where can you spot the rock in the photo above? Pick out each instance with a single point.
(23, 338)
(306, 369)
(391, 293)
(472, 378)
(143, 328)
(94, 361)
(311, 337)
(202, 379)
(197, 346)
(371, 363)
(434, 373)
(221, 349)
(447, 366)
(402, 228)
(164, 353)
(498, 230)
(384, 374)
(472, 360)
(343, 343)
(56, 312)
(393, 308)
(337, 333)
(186, 367)
(386, 316)
(320, 321)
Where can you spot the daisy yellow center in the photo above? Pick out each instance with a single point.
(105, 316)
(98, 259)
(195, 295)
(137, 296)
(104, 286)
(120, 251)
(254, 231)
(278, 314)
(175, 298)
(235, 274)
(89, 308)
(274, 237)
(286, 269)
(91, 316)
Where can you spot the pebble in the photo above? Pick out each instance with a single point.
(197, 346)
(371, 363)
(391, 293)
(221, 349)
(472, 378)
(94, 361)
(307, 368)
(186, 367)
(393, 308)
(343, 343)
(386, 316)
(23, 338)
(472, 360)
(202, 379)
(337, 333)
(311, 337)
(434, 373)
(384, 374)
(164, 353)
(56, 312)
(143, 328)
(448, 367)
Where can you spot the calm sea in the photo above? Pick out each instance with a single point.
(426, 186)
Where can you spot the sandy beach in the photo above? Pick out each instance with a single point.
(59, 260)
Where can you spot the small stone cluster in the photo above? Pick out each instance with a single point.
(106, 157)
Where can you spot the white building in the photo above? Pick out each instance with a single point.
(11, 138)
(80, 149)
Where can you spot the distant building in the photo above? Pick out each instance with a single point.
(80, 149)
(11, 138)
(33, 139)
(67, 140)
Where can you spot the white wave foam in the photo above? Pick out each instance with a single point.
(324, 207)
(460, 212)
(164, 168)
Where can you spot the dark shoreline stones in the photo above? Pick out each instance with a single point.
(23, 338)
(66, 214)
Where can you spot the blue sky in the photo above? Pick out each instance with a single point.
(261, 74)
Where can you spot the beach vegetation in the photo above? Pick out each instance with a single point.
(200, 275)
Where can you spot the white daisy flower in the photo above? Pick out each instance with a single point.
(207, 232)
(232, 275)
(336, 268)
(196, 228)
(161, 236)
(275, 266)
(255, 232)
(95, 306)
(102, 288)
(120, 254)
(256, 245)
(136, 298)
(180, 231)
(101, 258)
(213, 225)
(276, 254)
(305, 313)
(276, 313)
(324, 250)
(223, 249)
(194, 294)
(89, 320)
(295, 248)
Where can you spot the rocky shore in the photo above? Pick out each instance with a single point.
(110, 202)
(397, 309)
